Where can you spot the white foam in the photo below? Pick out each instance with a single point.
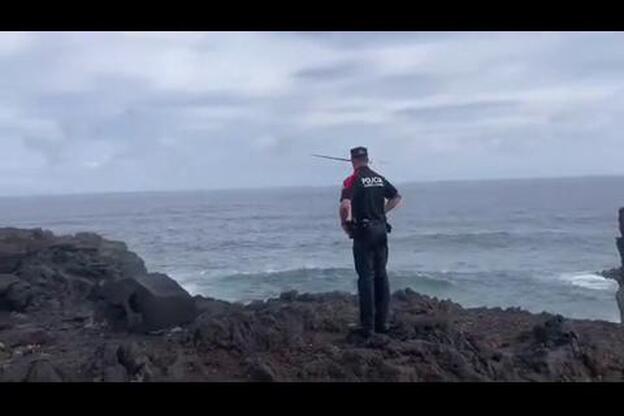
(589, 281)
(192, 288)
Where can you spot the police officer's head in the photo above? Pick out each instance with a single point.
(359, 157)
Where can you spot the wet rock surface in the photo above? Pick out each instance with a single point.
(617, 273)
(88, 310)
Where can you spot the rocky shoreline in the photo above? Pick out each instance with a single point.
(83, 308)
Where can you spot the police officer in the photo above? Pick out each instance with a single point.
(365, 200)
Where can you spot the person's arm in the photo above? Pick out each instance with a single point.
(392, 196)
(345, 214)
(344, 211)
(392, 203)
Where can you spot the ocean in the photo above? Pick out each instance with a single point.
(530, 243)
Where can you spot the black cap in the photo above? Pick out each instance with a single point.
(359, 152)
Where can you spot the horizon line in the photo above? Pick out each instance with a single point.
(155, 191)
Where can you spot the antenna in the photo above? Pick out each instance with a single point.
(342, 159)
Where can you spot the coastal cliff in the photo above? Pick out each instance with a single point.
(83, 308)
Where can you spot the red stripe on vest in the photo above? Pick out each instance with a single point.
(348, 183)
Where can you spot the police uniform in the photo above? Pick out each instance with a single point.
(367, 190)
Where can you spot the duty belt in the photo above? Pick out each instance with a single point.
(365, 223)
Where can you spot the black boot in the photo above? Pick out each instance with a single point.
(381, 329)
(360, 334)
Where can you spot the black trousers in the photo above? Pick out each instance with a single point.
(370, 254)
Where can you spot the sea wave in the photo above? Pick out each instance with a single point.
(588, 280)
(489, 239)
(321, 272)
(262, 284)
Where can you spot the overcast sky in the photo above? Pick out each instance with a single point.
(93, 112)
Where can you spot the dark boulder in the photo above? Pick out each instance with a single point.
(554, 332)
(42, 371)
(115, 374)
(131, 357)
(258, 370)
(29, 335)
(144, 303)
(210, 306)
(20, 296)
(135, 360)
(41, 271)
(617, 274)
(15, 294)
(16, 244)
(10, 257)
(6, 281)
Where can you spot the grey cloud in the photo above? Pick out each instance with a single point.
(217, 98)
(329, 73)
(68, 112)
(408, 85)
(51, 150)
(349, 40)
(459, 112)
